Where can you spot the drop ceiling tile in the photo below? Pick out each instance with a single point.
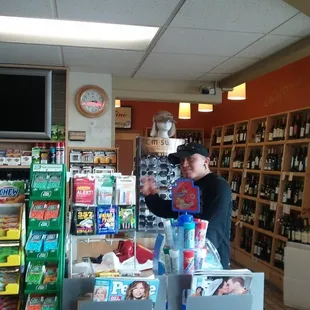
(132, 12)
(184, 62)
(26, 8)
(116, 71)
(89, 57)
(169, 74)
(234, 15)
(233, 65)
(267, 46)
(204, 42)
(299, 25)
(213, 77)
(30, 54)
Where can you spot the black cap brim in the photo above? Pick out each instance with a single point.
(175, 158)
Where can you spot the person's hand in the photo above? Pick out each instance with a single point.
(148, 186)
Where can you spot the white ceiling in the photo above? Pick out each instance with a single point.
(199, 39)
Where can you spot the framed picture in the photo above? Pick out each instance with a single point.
(123, 118)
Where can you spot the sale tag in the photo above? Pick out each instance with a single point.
(273, 206)
(244, 173)
(234, 196)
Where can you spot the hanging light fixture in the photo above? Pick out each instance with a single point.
(117, 103)
(238, 93)
(204, 107)
(184, 110)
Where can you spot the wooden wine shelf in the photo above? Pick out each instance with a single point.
(272, 273)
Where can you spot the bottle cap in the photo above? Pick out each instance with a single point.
(189, 226)
(201, 225)
(188, 253)
(185, 218)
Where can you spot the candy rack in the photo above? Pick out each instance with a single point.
(11, 251)
(46, 232)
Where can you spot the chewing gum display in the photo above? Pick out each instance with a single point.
(12, 192)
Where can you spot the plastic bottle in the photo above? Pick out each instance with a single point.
(200, 234)
(189, 261)
(189, 235)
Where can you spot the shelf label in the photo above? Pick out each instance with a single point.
(47, 168)
(234, 196)
(41, 287)
(244, 173)
(273, 206)
(290, 177)
(46, 194)
(42, 255)
(283, 175)
(44, 224)
(286, 209)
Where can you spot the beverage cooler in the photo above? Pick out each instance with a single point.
(152, 161)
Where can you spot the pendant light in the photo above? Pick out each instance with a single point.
(238, 93)
(184, 110)
(117, 103)
(204, 107)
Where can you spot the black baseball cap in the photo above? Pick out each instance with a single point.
(186, 150)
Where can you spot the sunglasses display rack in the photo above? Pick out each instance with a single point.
(152, 162)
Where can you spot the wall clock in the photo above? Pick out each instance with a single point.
(91, 101)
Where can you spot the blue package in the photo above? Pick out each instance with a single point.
(106, 220)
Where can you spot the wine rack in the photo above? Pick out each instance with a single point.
(266, 161)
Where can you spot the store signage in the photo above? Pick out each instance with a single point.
(160, 145)
(77, 135)
(123, 118)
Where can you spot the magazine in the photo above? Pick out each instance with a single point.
(222, 282)
(116, 289)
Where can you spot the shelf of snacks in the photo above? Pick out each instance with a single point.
(44, 248)
(188, 134)
(269, 176)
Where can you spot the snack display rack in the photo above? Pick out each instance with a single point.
(44, 248)
(11, 252)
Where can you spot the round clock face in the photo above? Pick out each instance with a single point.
(92, 101)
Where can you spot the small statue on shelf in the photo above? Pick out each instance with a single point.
(163, 125)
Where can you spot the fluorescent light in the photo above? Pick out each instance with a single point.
(238, 93)
(117, 103)
(184, 110)
(75, 33)
(204, 107)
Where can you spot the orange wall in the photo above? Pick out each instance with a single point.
(143, 112)
(285, 89)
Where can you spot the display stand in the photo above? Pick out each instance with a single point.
(73, 288)
(16, 260)
(178, 283)
(47, 193)
(233, 302)
(118, 305)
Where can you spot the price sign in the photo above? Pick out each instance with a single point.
(290, 177)
(286, 209)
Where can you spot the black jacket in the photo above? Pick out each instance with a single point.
(215, 207)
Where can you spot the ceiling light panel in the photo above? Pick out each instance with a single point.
(75, 33)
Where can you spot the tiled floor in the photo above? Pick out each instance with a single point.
(273, 296)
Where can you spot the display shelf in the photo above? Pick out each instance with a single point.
(54, 221)
(12, 261)
(10, 289)
(269, 137)
(14, 167)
